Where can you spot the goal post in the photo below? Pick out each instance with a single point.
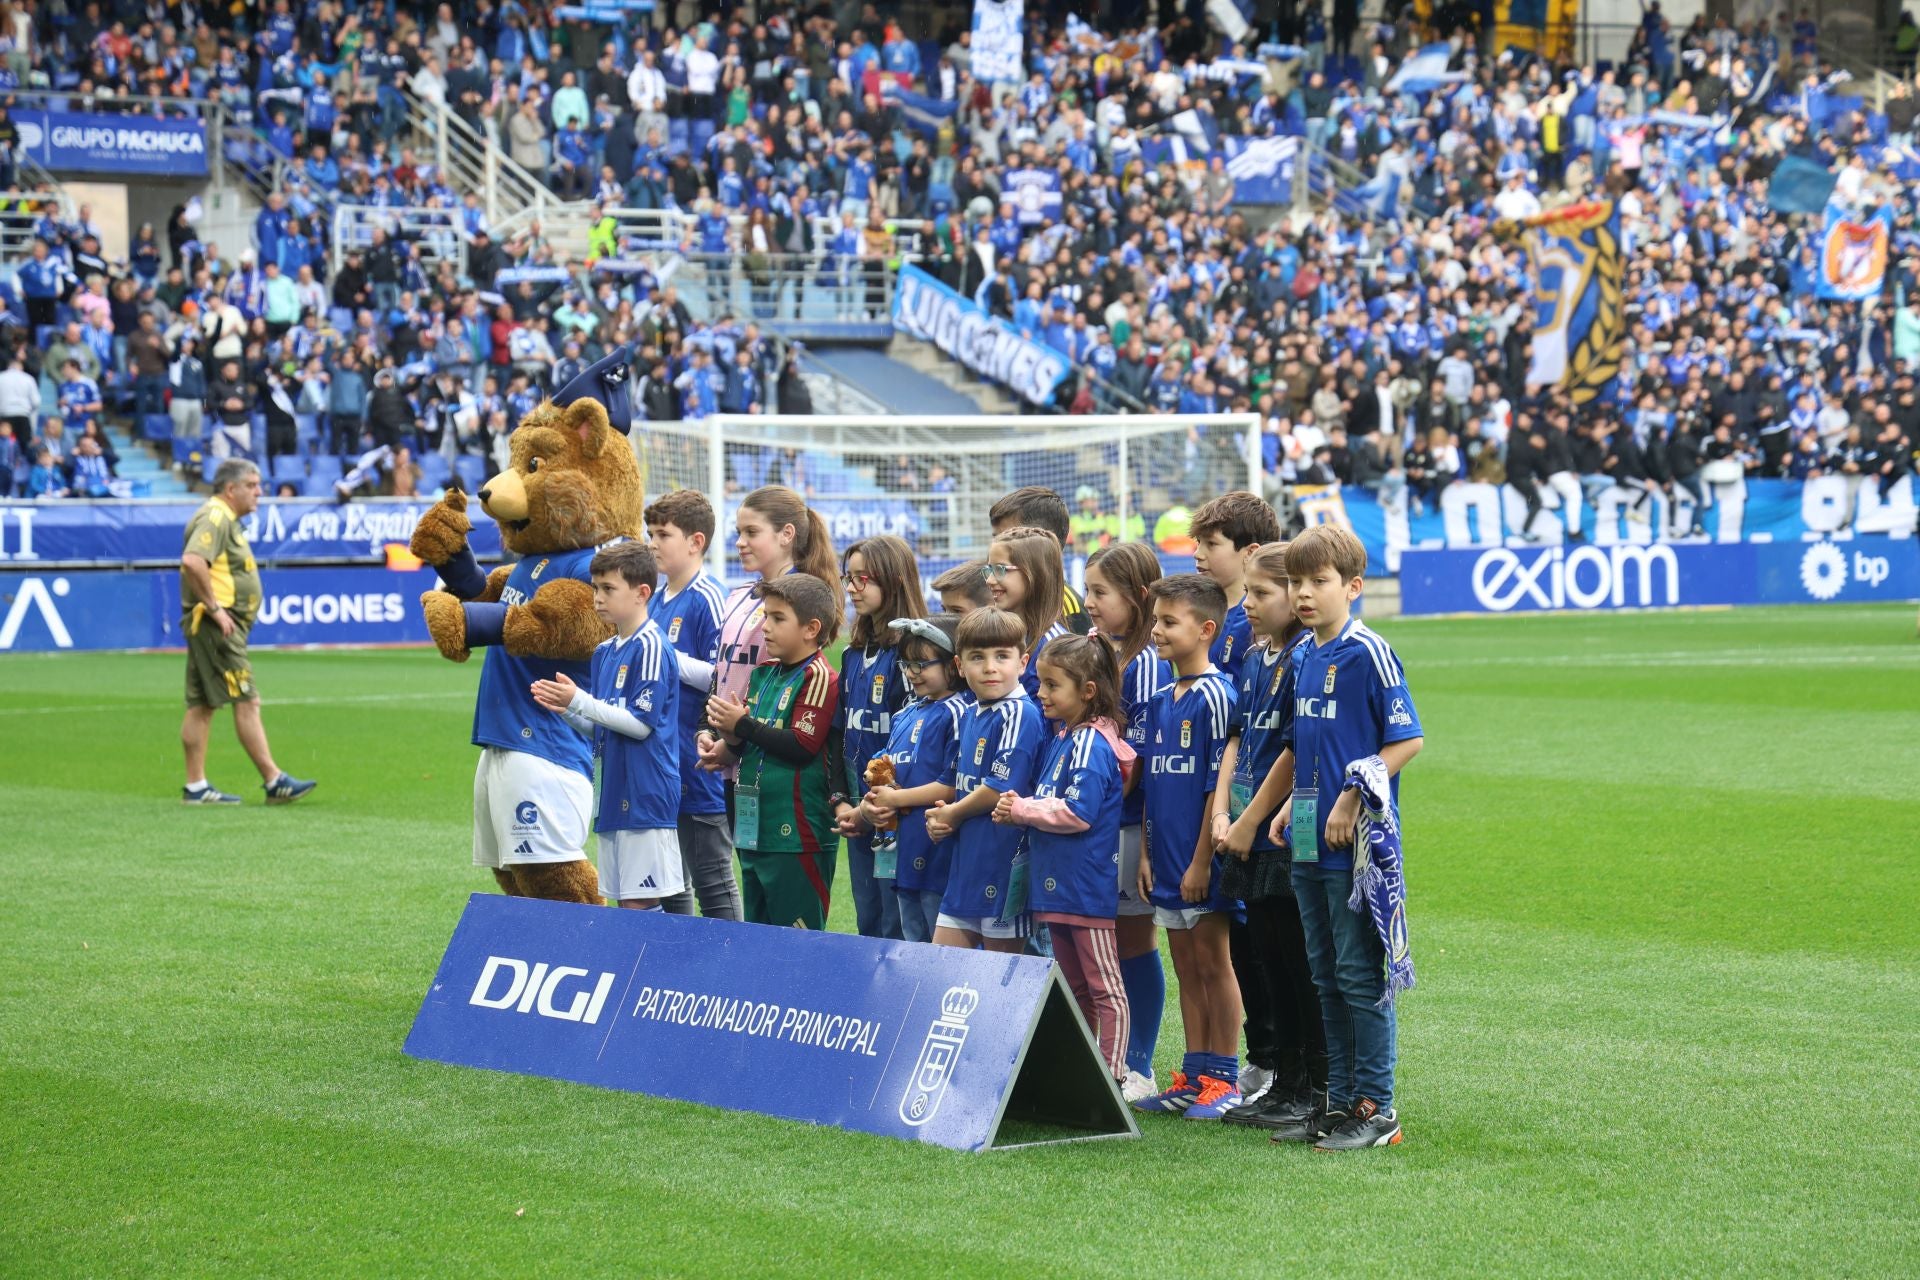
(932, 479)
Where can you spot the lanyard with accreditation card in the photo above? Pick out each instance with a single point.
(1306, 821)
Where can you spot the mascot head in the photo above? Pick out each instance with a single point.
(573, 482)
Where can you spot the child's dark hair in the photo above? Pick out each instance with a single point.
(990, 628)
(633, 561)
(686, 510)
(1270, 562)
(1323, 546)
(1244, 519)
(890, 561)
(970, 577)
(1194, 591)
(1129, 568)
(1036, 506)
(810, 599)
(1088, 660)
(1036, 554)
(919, 649)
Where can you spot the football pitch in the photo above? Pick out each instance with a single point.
(1663, 890)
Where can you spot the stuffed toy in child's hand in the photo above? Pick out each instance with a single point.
(880, 774)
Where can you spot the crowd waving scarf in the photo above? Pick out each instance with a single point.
(1580, 321)
(1379, 884)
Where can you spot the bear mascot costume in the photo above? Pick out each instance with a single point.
(572, 487)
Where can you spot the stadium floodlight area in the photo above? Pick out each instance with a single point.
(932, 480)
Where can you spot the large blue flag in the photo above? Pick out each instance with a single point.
(1579, 316)
(917, 110)
(1261, 168)
(1853, 255)
(1800, 185)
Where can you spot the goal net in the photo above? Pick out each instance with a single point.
(932, 480)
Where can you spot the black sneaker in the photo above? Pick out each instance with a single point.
(1315, 1125)
(1275, 1109)
(286, 788)
(1368, 1126)
(206, 795)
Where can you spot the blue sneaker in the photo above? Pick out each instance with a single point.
(1174, 1099)
(1217, 1097)
(206, 795)
(286, 788)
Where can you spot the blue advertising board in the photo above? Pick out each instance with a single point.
(52, 611)
(96, 142)
(1660, 575)
(281, 531)
(901, 1039)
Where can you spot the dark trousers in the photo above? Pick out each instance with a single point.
(1285, 1030)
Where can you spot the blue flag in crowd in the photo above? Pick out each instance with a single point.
(1261, 168)
(1426, 70)
(1034, 194)
(923, 113)
(1853, 255)
(1800, 185)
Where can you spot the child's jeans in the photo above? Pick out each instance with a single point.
(875, 912)
(919, 912)
(1349, 968)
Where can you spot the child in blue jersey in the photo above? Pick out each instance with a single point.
(1285, 1038)
(996, 748)
(1226, 533)
(883, 583)
(920, 749)
(632, 715)
(688, 609)
(1350, 703)
(1118, 578)
(1187, 730)
(1073, 832)
(1025, 573)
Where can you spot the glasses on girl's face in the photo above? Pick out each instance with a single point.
(1001, 570)
(914, 666)
(857, 581)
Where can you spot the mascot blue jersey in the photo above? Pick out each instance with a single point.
(505, 715)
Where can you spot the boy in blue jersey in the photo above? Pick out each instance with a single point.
(687, 609)
(996, 750)
(1226, 532)
(1350, 702)
(1187, 727)
(630, 713)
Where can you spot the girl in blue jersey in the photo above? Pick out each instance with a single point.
(920, 748)
(1259, 870)
(1073, 831)
(995, 750)
(1117, 582)
(1026, 574)
(883, 583)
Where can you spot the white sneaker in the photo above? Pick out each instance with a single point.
(1254, 1081)
(1138, 1086)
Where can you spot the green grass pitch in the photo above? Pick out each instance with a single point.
(1663, 882)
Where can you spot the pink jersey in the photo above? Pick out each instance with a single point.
(742, 644)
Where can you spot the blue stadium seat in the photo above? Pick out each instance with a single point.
(472, 471)
(306, 429)
(320, 487)
(185, 451)
(156, 426)
(207, 465)
(327, 467)
(433, 471)
(287, 466)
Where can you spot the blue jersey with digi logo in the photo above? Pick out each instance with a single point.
(1350, 699)
(1231, 642)
(1030, 678)
(871, 690)
(505, 714)
(689, 619)
(1187, 734)
(1077, 873)
(921, 746)
(1262, 709)
(997, 745)
(639, 778)
(1145, 676)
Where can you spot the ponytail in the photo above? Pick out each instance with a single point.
(1088, 660)
(812, 542)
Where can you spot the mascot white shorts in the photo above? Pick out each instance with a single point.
(526, 809)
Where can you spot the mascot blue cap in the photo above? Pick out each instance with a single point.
(608, 381)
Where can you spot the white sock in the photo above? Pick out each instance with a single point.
(197, 786)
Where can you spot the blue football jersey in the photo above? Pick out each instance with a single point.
(1350, 698)
(1187, 735)
(871, 690)
(921, 746)
(1145, 676)
(1078, 873)
(1231, 642)
(690, 621)
(639, 779)
(505, 714)
(997, 745)
(1262, 710)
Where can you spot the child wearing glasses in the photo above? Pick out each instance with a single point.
(1025, 570)
(883, 582)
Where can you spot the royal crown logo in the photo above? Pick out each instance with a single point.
(933, 1071)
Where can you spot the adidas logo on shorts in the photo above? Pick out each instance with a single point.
(526, 847)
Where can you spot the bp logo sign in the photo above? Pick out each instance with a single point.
(1823, 571)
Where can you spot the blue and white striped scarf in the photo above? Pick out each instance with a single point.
(1378, 884)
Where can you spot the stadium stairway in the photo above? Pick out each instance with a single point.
(146, 475)
(941, 376)
(914, 382)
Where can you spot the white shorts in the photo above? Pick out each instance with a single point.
(641, 864)
(1131, 903)
(528, 810)
(1179, 918)
(985, 926)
